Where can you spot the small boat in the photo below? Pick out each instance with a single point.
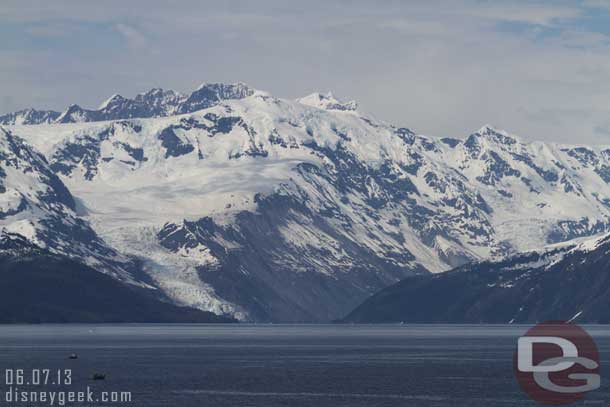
(73, 356)
(99, 376)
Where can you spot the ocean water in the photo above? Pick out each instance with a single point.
(276, 365)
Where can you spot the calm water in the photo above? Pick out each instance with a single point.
(271, 365)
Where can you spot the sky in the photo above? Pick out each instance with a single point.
(538, 69)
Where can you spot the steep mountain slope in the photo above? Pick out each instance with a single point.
(571, 282)
(35, 204)
(270, 209)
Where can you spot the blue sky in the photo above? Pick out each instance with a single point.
(540, 69)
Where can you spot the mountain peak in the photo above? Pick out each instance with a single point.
(114, 99)
(327, 102)
(209, 94)
(494, 134)
(489, 129)
(73, 114)
(158, 92)
(236, 90)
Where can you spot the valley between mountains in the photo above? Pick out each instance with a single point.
(231, 201)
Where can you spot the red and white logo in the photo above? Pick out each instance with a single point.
(557, 363)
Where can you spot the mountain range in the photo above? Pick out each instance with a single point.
(233, 201)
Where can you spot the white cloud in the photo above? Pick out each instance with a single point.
(134, 38)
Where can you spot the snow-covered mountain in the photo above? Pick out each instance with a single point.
(273, 209)
(565, 282)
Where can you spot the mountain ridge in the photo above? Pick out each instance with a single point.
(568, 282)
(153, 103)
